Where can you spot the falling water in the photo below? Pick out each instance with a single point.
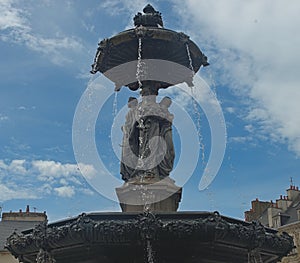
(141, 126)
(140, 164)
(139, 68)
(212, 83)
(147, 195)
(190, 59)
(96, 60)
(210, 197)
(197, 112)
(115, 105)
(150, 253)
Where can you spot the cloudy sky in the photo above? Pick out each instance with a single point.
(46, 49)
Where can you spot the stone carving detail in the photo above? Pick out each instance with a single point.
(41, 239)
(142, 32)
(181, 37)
(151, 17)
(40, 235)
(148, 148)
(147, 227)
(16, 243)
(255, 257)
(44, 257)
(83, 227)
(104, 46)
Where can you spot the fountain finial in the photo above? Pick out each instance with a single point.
(150, 18)
(149, 9)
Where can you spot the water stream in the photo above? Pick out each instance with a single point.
(139, 68)
(147, 195)
(190, 59)
(150, 252)
(115, 105)
(141, 126)
(195, 107)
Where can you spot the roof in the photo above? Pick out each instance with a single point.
(264, 218)
(9, 226)
(292, 211)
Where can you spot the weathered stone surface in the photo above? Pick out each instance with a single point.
(150, 194)
(157, 43)
(174, 237)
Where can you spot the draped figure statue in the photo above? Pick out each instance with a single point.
(147, 148)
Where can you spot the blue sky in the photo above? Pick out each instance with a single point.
(46, 49)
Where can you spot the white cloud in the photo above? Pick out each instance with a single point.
(88, 170)
(128, 8)
(179, 97)
(7, 193)
(115, 7)
(3, 165)
(86, 191)
(255, 46)
(38, 178)
(54, 169)
(17, 167)
(239, 139)
(65, 191)
(3, 117)
(230, 110)
(11, 17)
(16, 28)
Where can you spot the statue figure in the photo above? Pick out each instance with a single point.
(129, 152)
(167, 163)
(147, 148)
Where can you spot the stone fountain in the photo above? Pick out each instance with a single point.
(149, 229)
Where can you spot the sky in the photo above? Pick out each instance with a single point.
(46, 50)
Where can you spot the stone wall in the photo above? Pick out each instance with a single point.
(294, 231)
(6, 257)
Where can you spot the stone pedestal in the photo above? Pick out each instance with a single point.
(137, 195)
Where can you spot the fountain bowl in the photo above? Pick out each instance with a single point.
(156, 44)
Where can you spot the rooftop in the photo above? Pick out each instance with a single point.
(18, 222)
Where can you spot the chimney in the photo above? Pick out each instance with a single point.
(293, 193)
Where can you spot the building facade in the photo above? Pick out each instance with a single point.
(283, 215)
(16, 222)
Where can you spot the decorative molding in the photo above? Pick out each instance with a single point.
(44, 257)
(139, 229)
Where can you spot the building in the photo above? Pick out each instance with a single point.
(16, 222)
(283, 215)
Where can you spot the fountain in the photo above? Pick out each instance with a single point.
(149, 229)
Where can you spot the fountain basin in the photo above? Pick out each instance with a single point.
(174, 237)
(156, 43)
